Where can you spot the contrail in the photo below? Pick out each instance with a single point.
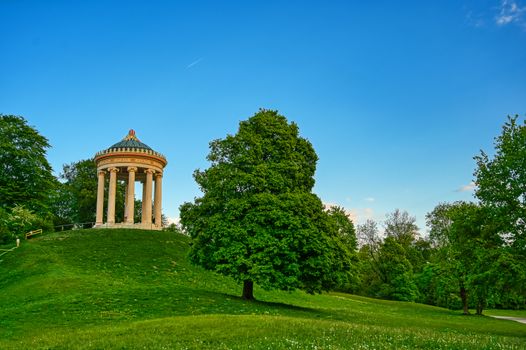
(194, 63)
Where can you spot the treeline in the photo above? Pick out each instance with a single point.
(462, 264)
(475, 254)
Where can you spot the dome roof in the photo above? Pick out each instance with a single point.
(130, 141)
(130, 144)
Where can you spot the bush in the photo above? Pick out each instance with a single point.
(173, 228)
(20, 221)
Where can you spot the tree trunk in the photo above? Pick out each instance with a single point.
(248, 290)
(464, 297)
(480, 307)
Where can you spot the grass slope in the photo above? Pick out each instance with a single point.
(135, 289)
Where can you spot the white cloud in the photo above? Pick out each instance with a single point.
(467, 188)
(357, 215)
(510, 12)
(360, 215)
(172, 220)
(369, 199)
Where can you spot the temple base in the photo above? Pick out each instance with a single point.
(138, 226)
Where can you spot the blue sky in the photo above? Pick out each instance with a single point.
(396, 97)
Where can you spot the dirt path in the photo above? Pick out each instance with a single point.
(518, 319)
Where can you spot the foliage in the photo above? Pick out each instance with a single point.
(387, 266)
(344, 227)
(19, 220)
(22, 220)
(257, 220)
(75, 200)
(396, 272)
(75, 290)
(469, 246)
(25, 175)
(501, 183)
(173, 227)
(80, 183)
(402, 227)
(5, 234)
(368, 234)
(437, 286)
(370, 243)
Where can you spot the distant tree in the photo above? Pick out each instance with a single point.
(164, 220)
(258, 220)
(26, 177)
(173, 227)
(469, 247)
(370, 242)
(402, 227)
(369, 234)
(397, 272)
(501, 183)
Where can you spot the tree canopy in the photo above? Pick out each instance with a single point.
(25, 175)
(258, 220)
(469, 247)
(501, 182)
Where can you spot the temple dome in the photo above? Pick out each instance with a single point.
(129, 145)
(130, 141)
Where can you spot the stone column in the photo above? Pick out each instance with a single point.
(158, 199)
(111, 195)
(142, 201)
(147, 199)
(130, 199)
(125, 201)
(100, 198)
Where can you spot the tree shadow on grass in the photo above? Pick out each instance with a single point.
(262, 307)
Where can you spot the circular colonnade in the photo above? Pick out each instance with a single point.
(130, 160)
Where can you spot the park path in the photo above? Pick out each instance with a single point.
(5, 251)
(517, 319)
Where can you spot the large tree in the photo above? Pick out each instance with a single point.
(258, 220)
(469, 248)
(501, 183)
(26, 177)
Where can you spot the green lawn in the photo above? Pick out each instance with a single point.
(135, 289)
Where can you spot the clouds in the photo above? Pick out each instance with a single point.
(511, 11)
(173, 220)
(467, 188)
(503, 13)
(357, 215)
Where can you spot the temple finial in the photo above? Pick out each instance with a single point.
(131, 135)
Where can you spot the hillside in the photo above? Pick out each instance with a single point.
(135, 289)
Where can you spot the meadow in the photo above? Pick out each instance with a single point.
(133, 289)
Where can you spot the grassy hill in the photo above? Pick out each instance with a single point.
(98, 289)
